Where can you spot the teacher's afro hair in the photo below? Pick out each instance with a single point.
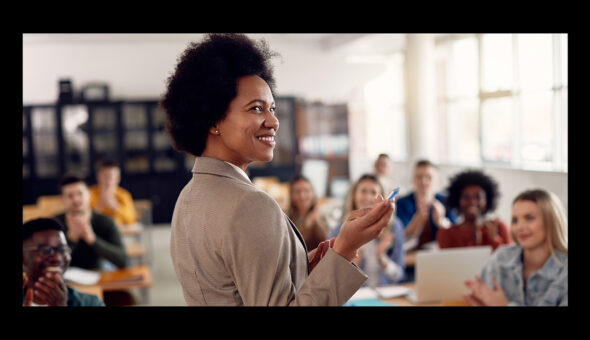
(205, 82)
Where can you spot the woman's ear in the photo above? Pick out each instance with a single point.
(214, 130)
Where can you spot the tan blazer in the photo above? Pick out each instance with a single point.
(231, 244)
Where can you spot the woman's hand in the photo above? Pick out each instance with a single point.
(318, 253)
(482, 295)
(492, 228)
(362, 226)
(438, 215)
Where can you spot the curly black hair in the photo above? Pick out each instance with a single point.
(473, 177)
(205, 82)
(40, 224)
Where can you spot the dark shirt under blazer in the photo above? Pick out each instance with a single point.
(231, 244)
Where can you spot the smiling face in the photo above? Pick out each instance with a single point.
(246, 133)
(472, 202)
(527, 226)
(302, 196)
(424, 180)
(109, 177)
(382, 166)
(75, 196)
(366, 191)
(35, 264)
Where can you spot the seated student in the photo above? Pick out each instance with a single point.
(383, 258)
(534, 271)
(422, 211)
(108, 198)
(305, 213)
(92, 236)
(382, 168)
(46, 256)
(475, 195)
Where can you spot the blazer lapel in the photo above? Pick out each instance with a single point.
(300, 239)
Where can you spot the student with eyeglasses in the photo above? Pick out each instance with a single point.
(46, 256)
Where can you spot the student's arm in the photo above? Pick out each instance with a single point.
(416, 225)
(126, 211)
(108, 243)
(498, 233)
(393, 264)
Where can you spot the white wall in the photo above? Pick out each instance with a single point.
(137, 66)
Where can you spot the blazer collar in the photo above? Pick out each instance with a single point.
(213, 166)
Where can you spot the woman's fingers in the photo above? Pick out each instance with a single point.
(375, 214)
(355, 214)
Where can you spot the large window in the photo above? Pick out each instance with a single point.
(503, 98)
(386, 117)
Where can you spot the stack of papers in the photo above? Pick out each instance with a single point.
(81, 276)
(388, 292)
(367, 296)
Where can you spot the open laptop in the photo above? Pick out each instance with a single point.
(441, 274)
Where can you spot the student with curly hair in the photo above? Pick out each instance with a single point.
(231, 244)
(533, 271)
(473, 194)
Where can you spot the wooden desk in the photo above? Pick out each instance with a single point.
(404, 301)
(122, 279)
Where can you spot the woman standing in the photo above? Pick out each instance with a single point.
(231, 244)
(534, 271)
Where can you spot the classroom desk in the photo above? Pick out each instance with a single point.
(123, 279)
(405, 302)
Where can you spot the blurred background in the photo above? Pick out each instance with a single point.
(497, 102)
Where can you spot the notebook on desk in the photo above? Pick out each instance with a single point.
(441, 274)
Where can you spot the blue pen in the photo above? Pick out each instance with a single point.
(393, 193)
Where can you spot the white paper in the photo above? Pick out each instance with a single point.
(81, 276)
(387, 292)
(409, 244)
(364, 293)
